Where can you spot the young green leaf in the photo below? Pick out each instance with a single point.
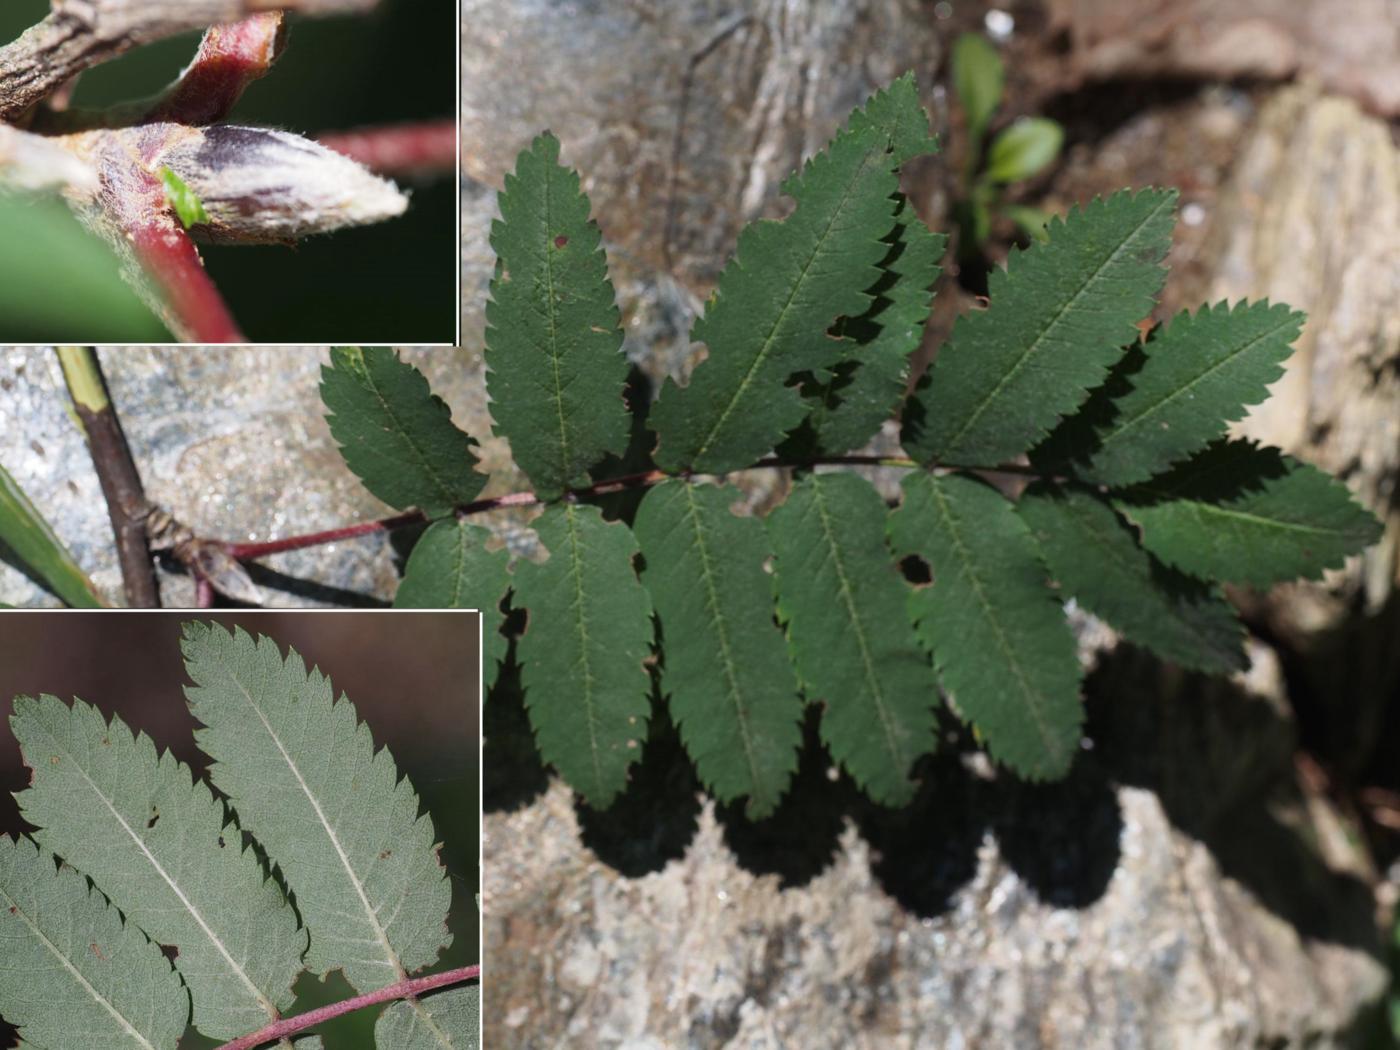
(582, 656)
(787, 283)
(448, 1020)
(188, 207)
(1242, 513)
(553, 345)
(854, 648)
(39, 550)
(1094, 556)
(1177, 393)
(863, 390)
(1060, 315)
(1024, 149)
(977, 78)
(74, 974)
(158, 845)
(1003, 649)
(395, 434)
(450, 568)
(302, 773)
(731, 687)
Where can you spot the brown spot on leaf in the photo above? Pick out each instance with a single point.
(560, 241)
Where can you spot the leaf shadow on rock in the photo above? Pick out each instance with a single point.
(512, 775)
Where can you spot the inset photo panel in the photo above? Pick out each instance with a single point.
(240, 829)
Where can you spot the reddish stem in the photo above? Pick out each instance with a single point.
(230, 57)
(203, 593)
(172, 262)
(400, 149)
(405, 989)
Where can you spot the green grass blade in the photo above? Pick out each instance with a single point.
(39, 550)
(732, 692)
(844, 602)
(1004, 652)
(1060, 315)
(553, 342)
(582, 656)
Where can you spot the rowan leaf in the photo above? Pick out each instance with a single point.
(159, 846)
(1176, 393)
(73, 973)
(1242, 513)
(396, 435)
(302, 773)
(556, 371)
(731, 688)
(450, 568)
(786, 284)
(844, 603)
(582, 655)
(1095, 558)
(449, 1019)
(1000, 642)
(1060, 314)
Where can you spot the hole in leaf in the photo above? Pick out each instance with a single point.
(170, 951)
(222, 843)
(155, 816)
(385, 854)
(916, 571)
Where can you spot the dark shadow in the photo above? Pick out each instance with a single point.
(655, 819)
(1093, 111)
(799, 840)
(512, 775)
(272, 580)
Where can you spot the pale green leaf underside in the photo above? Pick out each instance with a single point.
(1240, 513)
(445, 1020)
(1003, 649)
(844, 603)
(731, 687)
(395, 434)
(157, 844)
(586, 687)
(34, 543)
(1169, 398)
(553, 345)
(450, 568)
(71, 973)
(788, 281)
(1059, 317)
(302, 773)
(1095, 558)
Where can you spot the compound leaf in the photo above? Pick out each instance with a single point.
(395, 434)
(302, 773)
(448, 1020)
(1003, 649)
(553, 345)
(787, 283)
(844, 601)
(582, 655)
(1177, 393)
(731, 686)
(450, 568)
(1094, 556)
(158, 845)
(39, 550)
(1241, 513)
(73, 972)
(1060, 314)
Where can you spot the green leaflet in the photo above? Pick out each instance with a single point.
(449, 1020)
(787, 283)
(73, 974)
(863, 390)
(158, 846)
(1176, 393)
(188, 207)
(582, 656)
(1004, 653)
(731, 687)
(303, 775)
(553, 345)
(395, 434)
(854, 648)
(1060, 314)
(1240, 513)
(978, 78)
(450, 568)
(36, 546)
(1095, 557)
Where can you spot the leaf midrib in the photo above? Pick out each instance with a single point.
(444, 491)
(551, 321)
(580, 611)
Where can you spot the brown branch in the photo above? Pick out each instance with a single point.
(230, 57)
(406, 989)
